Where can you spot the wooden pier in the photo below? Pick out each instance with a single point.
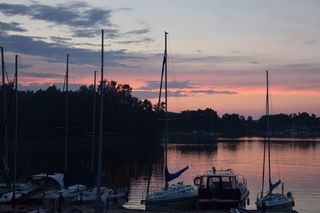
(81, 209)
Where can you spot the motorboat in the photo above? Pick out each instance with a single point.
(221, 189)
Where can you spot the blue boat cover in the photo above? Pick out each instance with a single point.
(275, 185)
(170, 177)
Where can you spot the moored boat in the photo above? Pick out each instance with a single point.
(275, 201)
(109, 198)
(271, 200)
(177, 196)
(221, 189)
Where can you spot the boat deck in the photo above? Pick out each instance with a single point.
(76, 209)
(199, 211)
(194, 211)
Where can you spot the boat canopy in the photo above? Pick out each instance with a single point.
(169, 177)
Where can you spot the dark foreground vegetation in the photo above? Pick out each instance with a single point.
(42, 115)
(42, 112)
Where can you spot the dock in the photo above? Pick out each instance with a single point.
(82, 209)
(121, 210)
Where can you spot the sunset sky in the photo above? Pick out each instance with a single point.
(218, 49)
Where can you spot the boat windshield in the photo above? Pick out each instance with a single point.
(214, 182)
(221, 182)
(226, 183)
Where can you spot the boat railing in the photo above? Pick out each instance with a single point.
(242, 180)
(218, 172)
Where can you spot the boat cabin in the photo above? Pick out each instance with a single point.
(218, 187)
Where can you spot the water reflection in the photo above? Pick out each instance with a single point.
(203, 149)
(295, 161)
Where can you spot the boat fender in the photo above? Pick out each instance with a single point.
(248, 201)
(197, 181)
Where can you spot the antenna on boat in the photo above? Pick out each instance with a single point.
(100, 130)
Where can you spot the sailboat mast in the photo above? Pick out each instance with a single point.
(268, 129)
(93, 121)
(16, 128)
(5, 145)
(166, 100)
(161, 81)
(66, 120)
(263, 166)
(100, 129)
(266, 136)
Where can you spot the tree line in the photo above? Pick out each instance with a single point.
(208, 120)
(42, 115)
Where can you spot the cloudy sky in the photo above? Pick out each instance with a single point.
(218, 50)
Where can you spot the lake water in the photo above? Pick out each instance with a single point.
(295, 161)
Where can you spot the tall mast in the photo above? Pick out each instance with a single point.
(66, 120)
(16, 128)
(266, 134)
(100, 129)
(164, 62)
(166, 106)
(268, 129)
(161, 81)
(5, 144)
(93, 121)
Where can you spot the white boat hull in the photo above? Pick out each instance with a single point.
(275, 202)
(175, 197)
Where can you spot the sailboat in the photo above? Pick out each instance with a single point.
(100, 196)
(178, 196)
(271, 200)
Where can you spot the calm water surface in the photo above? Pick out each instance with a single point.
(295, 161)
